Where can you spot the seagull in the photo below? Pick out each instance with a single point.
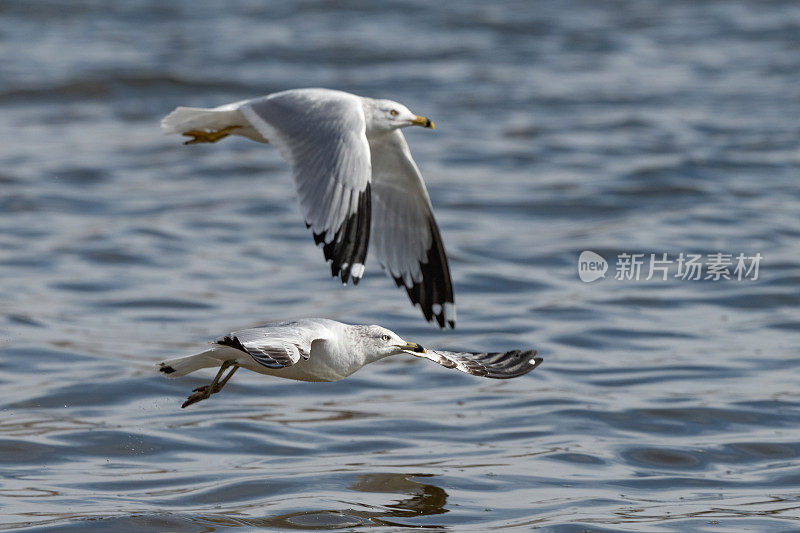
(318, 349)
(356, 182)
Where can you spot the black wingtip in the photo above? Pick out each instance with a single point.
(233, 342)
(512, 364)
(436, 287)
(444, 323)
(344, 274)
(351, 241)
(166, 369)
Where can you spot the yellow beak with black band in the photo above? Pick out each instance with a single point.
(423, 121)
(411, 347)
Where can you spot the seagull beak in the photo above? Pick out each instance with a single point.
(411, 347)
(422, 121)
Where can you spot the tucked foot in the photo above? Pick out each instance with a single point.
(197, 396)
(204, 392)
(203, 136)
(209, 389)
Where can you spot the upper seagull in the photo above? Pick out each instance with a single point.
(356, 182)
(318, 349)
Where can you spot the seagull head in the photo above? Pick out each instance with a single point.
(386, 342)
(386, 115)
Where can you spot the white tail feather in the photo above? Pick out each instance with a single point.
(184, 119)
(175, 368)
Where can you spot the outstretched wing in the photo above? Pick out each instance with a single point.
(278, 345)
(405, 237)
(499, 365)
(321, 133)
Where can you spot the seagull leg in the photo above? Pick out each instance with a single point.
(203, 136)
(222, 383)
(205, 392)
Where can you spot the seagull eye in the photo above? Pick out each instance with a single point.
(394, 112)
(386, 338)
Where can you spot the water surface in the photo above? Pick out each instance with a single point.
(639, 127)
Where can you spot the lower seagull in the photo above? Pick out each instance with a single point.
(318, 349)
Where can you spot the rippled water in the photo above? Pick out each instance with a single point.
(626, 126)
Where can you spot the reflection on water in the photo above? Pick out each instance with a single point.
(637, 126)
(424, 500)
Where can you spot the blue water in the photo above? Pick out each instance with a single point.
(616, 127)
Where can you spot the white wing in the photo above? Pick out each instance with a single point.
(405, 237)
(500, 365)
(321, 133)
(277, 345)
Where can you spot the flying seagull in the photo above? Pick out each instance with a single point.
(318, 349)
(356, 182)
